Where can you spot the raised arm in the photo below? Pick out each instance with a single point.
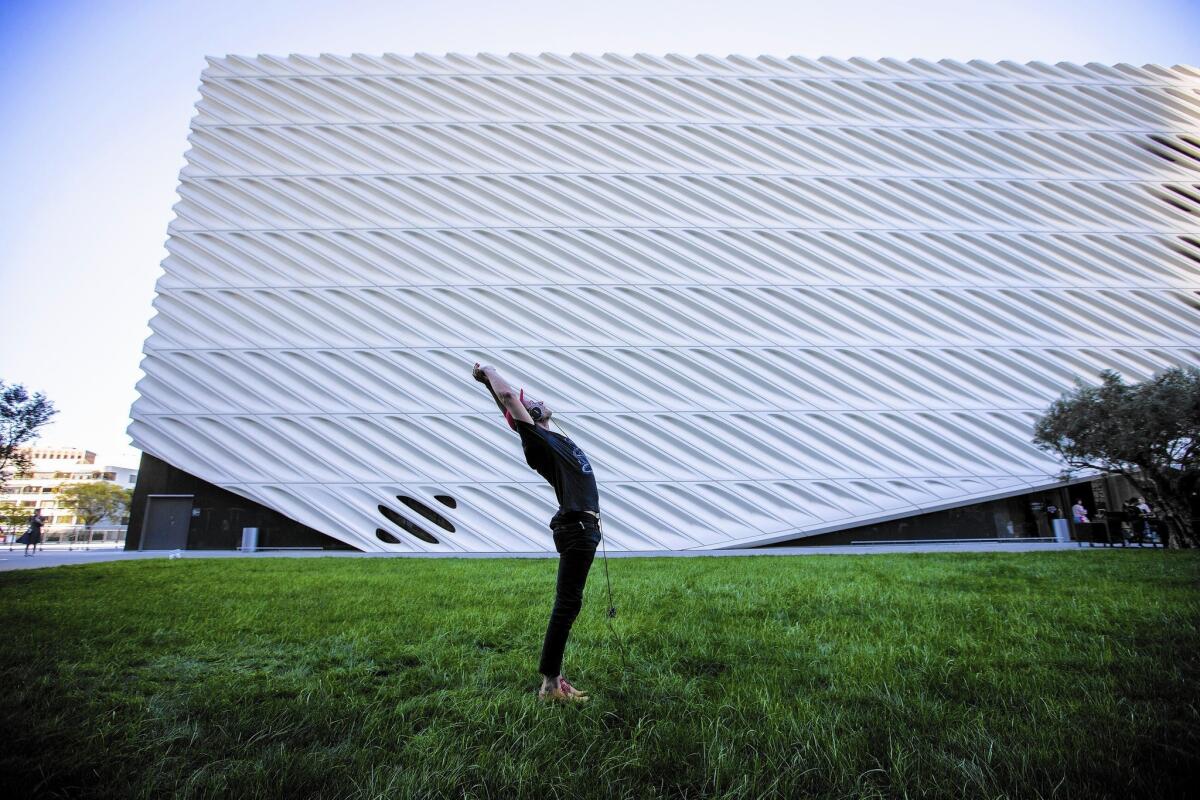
(477, 374)
(502, 393)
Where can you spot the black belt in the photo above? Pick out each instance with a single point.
(595, 514)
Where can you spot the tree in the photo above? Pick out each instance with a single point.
(95, 501)
(21, 414)
(1148, 432)
(13, 518)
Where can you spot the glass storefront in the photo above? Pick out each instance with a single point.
(1024, 517)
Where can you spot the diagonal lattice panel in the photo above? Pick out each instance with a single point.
(769, 297)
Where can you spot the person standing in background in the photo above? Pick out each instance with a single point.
(33, 534)
(1147, 514)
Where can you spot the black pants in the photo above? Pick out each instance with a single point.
(576, 536)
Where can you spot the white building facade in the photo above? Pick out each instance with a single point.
(771, 298)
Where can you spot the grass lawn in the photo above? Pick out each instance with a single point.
(1064, 674)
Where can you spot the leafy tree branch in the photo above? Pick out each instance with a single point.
(21, 415)
(1148, 432)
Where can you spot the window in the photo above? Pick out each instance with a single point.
(407, 525)
(427, 512)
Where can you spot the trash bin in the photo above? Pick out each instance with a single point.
(249, 540)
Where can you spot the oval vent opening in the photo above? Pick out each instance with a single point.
(384, 536)
(446, 500)
(426, 512)
(407, 526)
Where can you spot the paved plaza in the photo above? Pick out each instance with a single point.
(56, 556)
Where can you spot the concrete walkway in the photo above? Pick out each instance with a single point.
(55, 557)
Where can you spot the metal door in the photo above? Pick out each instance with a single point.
(167, 521)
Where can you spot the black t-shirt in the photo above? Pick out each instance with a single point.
(560, 461)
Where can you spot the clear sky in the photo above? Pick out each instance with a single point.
(96, 97)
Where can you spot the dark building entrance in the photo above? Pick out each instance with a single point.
(166, 523)
(1025, 516)
(173, 509)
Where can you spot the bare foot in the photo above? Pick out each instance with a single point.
(561, 691)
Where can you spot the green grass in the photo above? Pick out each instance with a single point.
(1066, 674)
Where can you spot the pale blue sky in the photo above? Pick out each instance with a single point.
(97, 96)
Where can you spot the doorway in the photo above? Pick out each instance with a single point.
(168, 518)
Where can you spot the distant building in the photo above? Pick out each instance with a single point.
(53, 468)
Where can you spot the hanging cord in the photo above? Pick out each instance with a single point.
(612, 609)
(611, 613)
